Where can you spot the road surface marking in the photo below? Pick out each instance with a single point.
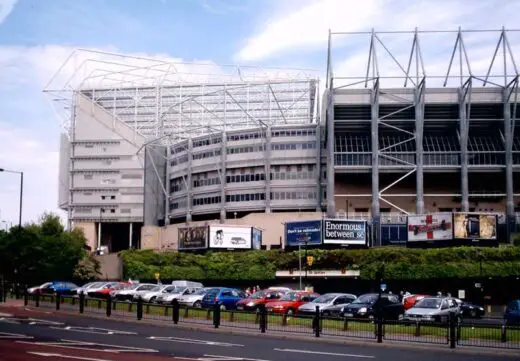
(9, 320)
(45, 354)
(194, 341)
(323, 353)
(6, 336)
(37, 321)
(94, 330)
(5, 315)
(226, 358)
(80, 345)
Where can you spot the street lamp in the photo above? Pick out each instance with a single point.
(21, 193)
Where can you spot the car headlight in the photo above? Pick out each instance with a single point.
(342, 310)
(250, 304)
(362, 310)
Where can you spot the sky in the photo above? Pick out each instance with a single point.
(37, 36)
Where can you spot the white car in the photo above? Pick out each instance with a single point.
(151, 296)
(35, 289)
(194, 299)
(98, 286)
(127, 294)
(167, 298)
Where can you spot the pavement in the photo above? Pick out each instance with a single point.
(27, 334)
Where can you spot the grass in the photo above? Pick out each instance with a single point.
(357, 328)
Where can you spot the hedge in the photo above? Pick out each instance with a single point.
(400, 263)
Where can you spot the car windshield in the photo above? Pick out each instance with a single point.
(291, 296)
(429, 303)
(369, 299)
(177, 289)
(212, 292)
(134, 286)
(157, 289)
(200, 292)
(93, 285)
(325, 299)
(257, 295)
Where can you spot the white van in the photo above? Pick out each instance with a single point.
(188, 284)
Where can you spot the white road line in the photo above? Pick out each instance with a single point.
(10, 336)
(194, 341)
(5, 315)
(93, 330)
(226, 358)
(46, 354)
(80, 345)
(324, 353)
(37, 321)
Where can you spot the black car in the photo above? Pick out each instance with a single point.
(469, 309)
(366, 306)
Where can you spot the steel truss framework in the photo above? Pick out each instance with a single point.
(502, 74)
(158, 97)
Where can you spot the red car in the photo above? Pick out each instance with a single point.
(105, 291)
(410, 301)
(259, 298)
(290, 302)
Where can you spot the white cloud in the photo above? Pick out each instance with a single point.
(6, 6)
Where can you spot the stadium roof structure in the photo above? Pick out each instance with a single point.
(168, 99)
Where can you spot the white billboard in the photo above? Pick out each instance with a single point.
(430, 227)
(227, 237)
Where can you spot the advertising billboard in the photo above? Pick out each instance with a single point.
(191, 238)
(228, 237)
(303, 233)
(475, 226)
(430, 227)
(344, 232)
(257, 238)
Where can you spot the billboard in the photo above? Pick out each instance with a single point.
(257, 238)
(430, 227)
(303, 232)
(344, 232)
(227, 237)
(475, 226)
(191, 238)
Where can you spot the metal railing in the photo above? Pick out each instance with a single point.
(452, 332)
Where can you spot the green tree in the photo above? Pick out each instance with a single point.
(87, 269)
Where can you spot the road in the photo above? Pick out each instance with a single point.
(39, 336)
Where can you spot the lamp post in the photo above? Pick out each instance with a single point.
(21, 193)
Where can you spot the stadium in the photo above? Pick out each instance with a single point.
(152, 147)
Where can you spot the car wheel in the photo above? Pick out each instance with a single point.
(223, 307)
(197, 304)
(153, 300)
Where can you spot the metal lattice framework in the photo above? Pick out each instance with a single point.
(397, 69)
(174, 100)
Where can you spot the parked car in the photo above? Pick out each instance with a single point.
(35, 289)
(259, 298)
(470, 310)
(436, 309)
(127, 294)
(187, 284)
(158, 291)
(174, 293)
(195, 299)
(61, 287)
(512, 313)
(106, 290)
(328, 303)
(86, 286)
(95, 290)
(226, 298)
(411, 300)
(290, 302)
(367, 305)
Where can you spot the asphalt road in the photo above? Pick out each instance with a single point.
(109, 339)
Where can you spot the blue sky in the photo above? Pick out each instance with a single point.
(36, 36)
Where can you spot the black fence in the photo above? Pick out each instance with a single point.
(452, 331)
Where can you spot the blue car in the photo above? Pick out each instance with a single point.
(512, 314)
(226, 298)
(61, 287)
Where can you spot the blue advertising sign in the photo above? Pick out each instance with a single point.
(257, 238)
(303, 232)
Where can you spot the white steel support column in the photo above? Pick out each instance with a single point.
(465, 110)
(131, 234)
(331, 203)
(419, 134)
(318, 167)
(189, 182)
(223, 159)
(509, 124)
(99, 232)
(376, 217)
(268, 137)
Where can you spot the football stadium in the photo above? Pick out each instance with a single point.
(396, 146)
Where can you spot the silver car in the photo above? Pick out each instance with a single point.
(127, 294)
(432, 309)
(151, 296)
(178, 291)
(327, 303)
(193, 300)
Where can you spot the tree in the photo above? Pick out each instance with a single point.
(40, 252)
(88, 269)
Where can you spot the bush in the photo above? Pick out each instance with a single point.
(400, 263)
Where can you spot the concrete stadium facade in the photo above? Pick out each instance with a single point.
(263, 152)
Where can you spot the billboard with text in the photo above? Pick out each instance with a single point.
(344, 232)
(192, 238)
(430, 227)
(303, 233)
(227, 237)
